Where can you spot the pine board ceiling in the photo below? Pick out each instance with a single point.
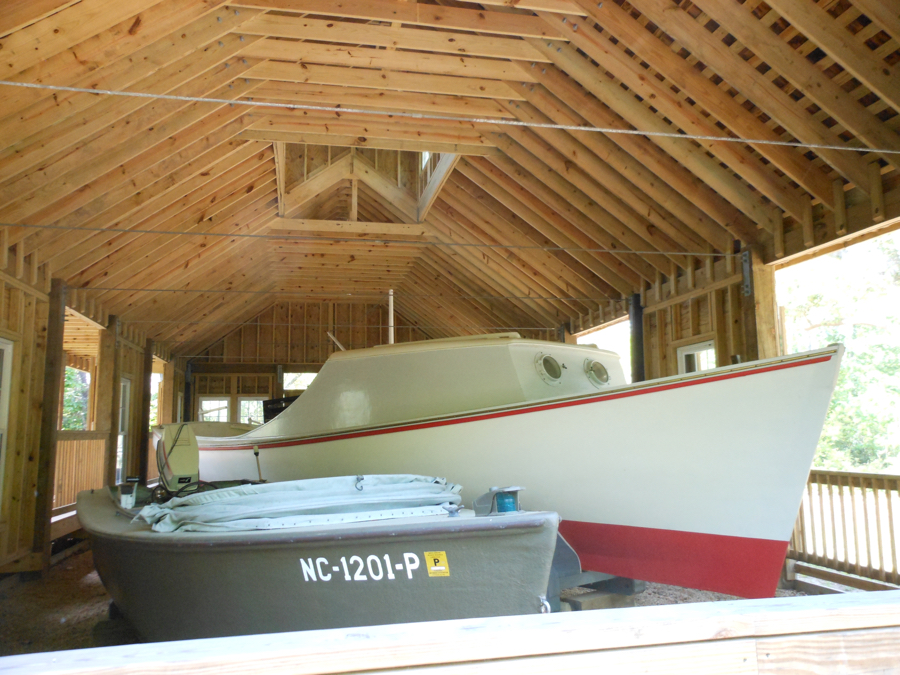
(544, 224)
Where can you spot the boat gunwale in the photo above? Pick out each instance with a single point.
(392, 528)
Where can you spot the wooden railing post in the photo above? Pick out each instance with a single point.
(49, 421)
(143, 446)
(108, 395)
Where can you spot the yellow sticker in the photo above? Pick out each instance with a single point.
(437, 563)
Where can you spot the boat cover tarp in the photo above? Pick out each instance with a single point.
(299, 503)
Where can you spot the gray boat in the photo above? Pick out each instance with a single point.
(321, 553)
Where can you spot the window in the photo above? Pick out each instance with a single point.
(155, 381)
(214, 409)
(124, 425)
(76, 400)
(697, 357)
(298, 381)
(6, 352)
(250, 410)
(425, 157)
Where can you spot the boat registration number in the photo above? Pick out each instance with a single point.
(374, 568)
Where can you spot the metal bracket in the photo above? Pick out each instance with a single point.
(747, 273)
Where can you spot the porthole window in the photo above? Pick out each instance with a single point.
(548, 368)
(596, 372)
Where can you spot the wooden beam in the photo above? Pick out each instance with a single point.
(411, 13)
(54, 367)
(826, 634)
(350, 141)
(300, 225)
(636, 115)
(741, 22)
(313, 73)
(441, 173)
(383, 59)
(375, 99)
(346, 32)
(278, 148)
(876, 193)
(689, 118)
(833, 38)
(728, 64)
(20, 13)
(143, 445)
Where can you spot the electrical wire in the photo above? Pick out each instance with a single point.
(337, 239)
(323, 294)
(449, 118)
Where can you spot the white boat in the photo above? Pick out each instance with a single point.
(692, 480)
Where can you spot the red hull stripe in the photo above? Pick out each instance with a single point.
(749, 568)
(516, 411)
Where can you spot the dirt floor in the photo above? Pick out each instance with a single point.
(69, 609)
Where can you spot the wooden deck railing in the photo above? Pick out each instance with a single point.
(79, 464)
(850, 522)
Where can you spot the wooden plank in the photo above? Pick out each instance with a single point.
(53, 371)
(20, 13)
(143, 431)
(825, 634)
(345, 32)
(385, 80)
(411, 13)
(766, 95)
(351, 141)
(383, 59)
(439, 176)
(300, 225)
(375, 99)
(740, 21)
(830, 35)
(278, 148)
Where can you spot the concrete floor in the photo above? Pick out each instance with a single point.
(69, 609)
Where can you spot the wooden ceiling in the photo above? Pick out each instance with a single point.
(505, 225)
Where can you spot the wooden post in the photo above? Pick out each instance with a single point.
(758, 309)
(112, 392)
(279, 382)
(186, 412)
(167, 398)
(143, 446)
(53, 369)
(636, 316)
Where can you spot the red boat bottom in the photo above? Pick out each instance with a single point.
(740, 566)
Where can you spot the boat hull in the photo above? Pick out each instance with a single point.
(694, 481)
(185, 585)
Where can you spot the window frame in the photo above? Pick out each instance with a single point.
(241, 399)
(214, 397)
(693, 349)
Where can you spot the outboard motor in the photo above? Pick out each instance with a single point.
(177, 456)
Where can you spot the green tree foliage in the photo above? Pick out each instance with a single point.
(853, 297)
(75, 399)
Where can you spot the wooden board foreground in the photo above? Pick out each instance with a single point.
(851, 633)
